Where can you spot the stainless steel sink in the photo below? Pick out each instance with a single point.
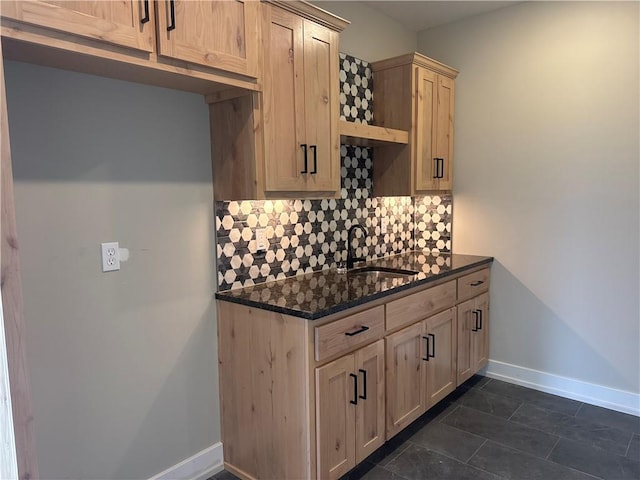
(380, 273)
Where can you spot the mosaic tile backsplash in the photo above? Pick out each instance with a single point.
(309, 235)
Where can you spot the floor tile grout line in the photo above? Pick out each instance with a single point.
(515, 411)
(552, 449)
(391, 472)
(629, 446)
(477, 450)
(397, 452)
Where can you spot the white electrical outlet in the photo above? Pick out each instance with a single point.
(110, 256)
(261, 239)
(384, 224)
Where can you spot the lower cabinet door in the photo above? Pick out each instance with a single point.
(336, 398)
(481, 335)
(441, 351)
(465, 341)
(405, 377)
(370, 411)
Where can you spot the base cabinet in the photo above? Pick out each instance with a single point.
(312, 400)
(473, 336)
(421, 368)
(350, 410)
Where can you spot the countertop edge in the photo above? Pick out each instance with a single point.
(350, 304)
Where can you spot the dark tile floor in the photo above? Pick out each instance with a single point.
(488, 429)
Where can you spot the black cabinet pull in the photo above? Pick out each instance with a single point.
(441, 168)
(427, 357)
(480, 315)
(355, 389)
(315, 159)
(436, 160)
(475, 284)
(476, 317)
(145, 19)
(363, 328)
(304, 149)
(172, 14)
(364, 383)
(433, 345)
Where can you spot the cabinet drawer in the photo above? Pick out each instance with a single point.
(412, 308)
(471, 285)
(344, 334)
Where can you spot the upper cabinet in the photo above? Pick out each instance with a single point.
(219, 34)
(126, 23)
(285, 142)
(199, 46)
(302, 143)
(415, 93)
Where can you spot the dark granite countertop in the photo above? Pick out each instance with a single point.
(316, 295)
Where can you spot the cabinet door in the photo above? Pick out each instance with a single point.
(405, 377)
(120, 23)
(444, 133)
(441, 351)
(466, 340)
(335, 417)
(321, 107)
(219, 34)
(370, 411)
(426, 98)
(283, 101)
(481, 336)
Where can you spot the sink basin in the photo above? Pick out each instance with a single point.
(380, 273)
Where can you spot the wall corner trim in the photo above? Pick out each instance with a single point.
(619, 400)
(200, 466)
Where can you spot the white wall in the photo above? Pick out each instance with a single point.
(372, 35)
(546, 180)
(123, 364)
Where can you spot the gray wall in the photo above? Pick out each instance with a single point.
(372, 35)
(546, 180)
(123, 364)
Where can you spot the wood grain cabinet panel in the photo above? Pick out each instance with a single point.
(301, 103)
(473, 284)
(473, 336)
(422, 99)
(350, 410)
(441, 345)
(417, 306)
(123, 23)
(218, 34)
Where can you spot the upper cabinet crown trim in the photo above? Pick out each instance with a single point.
(313, 13)
(416, 59)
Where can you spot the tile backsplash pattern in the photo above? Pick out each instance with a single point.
(310, 235)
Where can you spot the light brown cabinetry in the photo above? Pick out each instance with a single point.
(126, 23)
(416, 93)
(312, 399)
(218, 34)
(350, 410)
(421, 368)
(285, 142)
(473, 336)
(300, 104)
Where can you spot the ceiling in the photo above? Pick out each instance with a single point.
(420, 15)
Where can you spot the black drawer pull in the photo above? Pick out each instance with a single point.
(427, 357)
(145, 19)
(364, 383)
(172, 14)
(304, 149)
(476, 316)
(355, 389)
(480, 314)
(363, 328)
(315, 159)
(475, 284)
(433, 345)
(437, 170)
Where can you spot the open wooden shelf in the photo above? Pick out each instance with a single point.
(352, 133)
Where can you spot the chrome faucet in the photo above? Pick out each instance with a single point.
(350, 258)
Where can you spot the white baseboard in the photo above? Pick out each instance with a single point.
(200, 466)
(591, 393)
